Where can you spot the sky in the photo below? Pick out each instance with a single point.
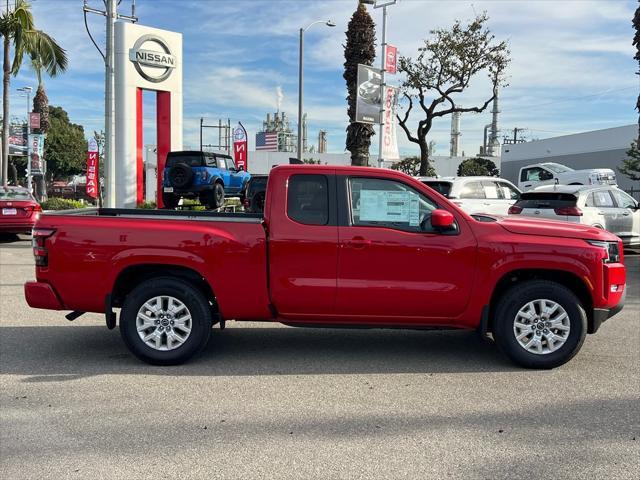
(572, 66)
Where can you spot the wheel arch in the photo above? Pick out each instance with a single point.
(132, 276)
(569, 280)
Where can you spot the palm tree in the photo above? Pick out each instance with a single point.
(17, 26)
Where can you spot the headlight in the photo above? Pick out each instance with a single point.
(611, 249)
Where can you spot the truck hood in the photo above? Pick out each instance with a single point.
(553, 228)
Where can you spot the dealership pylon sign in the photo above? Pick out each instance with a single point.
(147, 59)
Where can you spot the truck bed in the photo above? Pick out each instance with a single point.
(92, 249)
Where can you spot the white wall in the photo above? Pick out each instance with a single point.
(586, 142)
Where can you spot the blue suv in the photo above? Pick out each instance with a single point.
(204, 175)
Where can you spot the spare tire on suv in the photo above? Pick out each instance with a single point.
(180, 175)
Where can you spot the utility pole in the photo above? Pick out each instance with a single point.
(515, 134)
(111, 15)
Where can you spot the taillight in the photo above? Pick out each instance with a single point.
(39, 244)
(514, 210)
(33, 208)
(568, 211)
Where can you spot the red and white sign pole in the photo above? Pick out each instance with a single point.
(383, 4)
(93, 177)
(240, 146)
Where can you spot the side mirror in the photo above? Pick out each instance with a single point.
(240, 168)
(442, 219)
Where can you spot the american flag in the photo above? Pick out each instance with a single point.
(267, 141)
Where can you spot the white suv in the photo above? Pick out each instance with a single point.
(476, 194)
(604, 207)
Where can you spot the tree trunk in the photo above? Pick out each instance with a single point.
(5, 111)
(424, 158)
(358, 142)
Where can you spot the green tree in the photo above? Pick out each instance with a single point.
(18, 29)
(65, 147)
(444, 68)
(631, 165)
(478, 167)
(360, 48)
(411, 166)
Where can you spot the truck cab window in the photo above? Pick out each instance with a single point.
(308, 199)
(387, 203)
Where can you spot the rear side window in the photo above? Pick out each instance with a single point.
(191, 160)
(308, 199)
(603, 199)
(222, 163)
(210, 160)
(473, 190)
(542, 200)
(443, 188)
(492, 190)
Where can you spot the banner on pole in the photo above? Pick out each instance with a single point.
(369, 94)
(18, 141)
(36, 153)
(92, 168)
(391, 59)
(389, 132)
(34, 120)
(240, 146)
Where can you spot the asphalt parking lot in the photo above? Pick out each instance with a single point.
(269, 401)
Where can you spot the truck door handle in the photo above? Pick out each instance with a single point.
(358, 242)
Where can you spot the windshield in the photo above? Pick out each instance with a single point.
(14, 195)
(557, 168)
(443, 188)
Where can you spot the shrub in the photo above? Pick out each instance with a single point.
(62, 204)
(147, 205)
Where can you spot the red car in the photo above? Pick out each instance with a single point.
(19, 211)
(335, 247)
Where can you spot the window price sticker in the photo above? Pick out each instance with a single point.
(382, 206)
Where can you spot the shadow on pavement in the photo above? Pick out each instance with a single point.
(70, 352)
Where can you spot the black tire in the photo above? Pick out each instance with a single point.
(170, 201)
(197, 306)
(180, 175)
(215, 197)
(519, 296)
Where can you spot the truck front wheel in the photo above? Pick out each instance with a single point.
(540, 324)
(165, 321)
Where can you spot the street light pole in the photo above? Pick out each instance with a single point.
(328, 23)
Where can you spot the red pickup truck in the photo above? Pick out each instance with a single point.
(336, 246)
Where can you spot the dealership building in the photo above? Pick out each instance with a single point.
(596, 149)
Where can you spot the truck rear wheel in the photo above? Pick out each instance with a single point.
(165, 321)
(540, 324)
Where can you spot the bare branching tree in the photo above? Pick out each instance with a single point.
(444, 68)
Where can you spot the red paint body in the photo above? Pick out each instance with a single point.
(280, 270)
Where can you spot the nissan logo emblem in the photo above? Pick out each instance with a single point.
(153, 65)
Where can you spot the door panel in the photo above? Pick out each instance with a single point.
(303, 249)
(393, 270)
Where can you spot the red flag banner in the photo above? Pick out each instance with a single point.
(240, 146)
(391, 59)
(92, 169)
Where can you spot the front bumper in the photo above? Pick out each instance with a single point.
(601, 315)
(42, 295)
